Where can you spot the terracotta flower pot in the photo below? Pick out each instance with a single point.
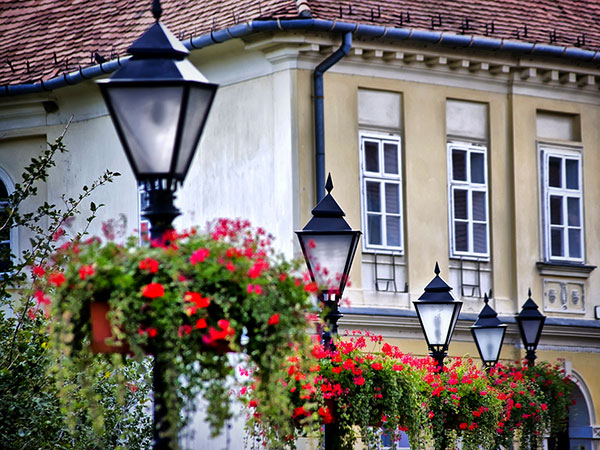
(102, 330)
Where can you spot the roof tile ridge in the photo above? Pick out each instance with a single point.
(303, 8)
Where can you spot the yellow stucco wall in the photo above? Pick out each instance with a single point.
(514, 197)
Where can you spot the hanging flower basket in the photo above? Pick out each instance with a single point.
(193, 298)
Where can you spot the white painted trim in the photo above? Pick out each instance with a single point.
(381, 177)
(581, 384)
(545, 151)
(470, 187)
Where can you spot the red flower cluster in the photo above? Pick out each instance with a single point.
(149, 264)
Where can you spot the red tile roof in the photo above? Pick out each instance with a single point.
(42, 39)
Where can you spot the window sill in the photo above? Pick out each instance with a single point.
(382, 251)
(564, 269)
(470, 258)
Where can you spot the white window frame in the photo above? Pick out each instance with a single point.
(470, 187)
(10, 187)
(383, 178)
(547, 151)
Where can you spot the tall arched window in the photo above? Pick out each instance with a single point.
(7, 237)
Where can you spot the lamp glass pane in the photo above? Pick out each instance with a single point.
(436, 319)
(489, 340)
(530, 329)
(327, 255)
(197, 109)
(147, 117)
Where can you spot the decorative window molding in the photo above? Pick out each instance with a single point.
(468, 201)
(562, 204)
(381, 192)
(563, 269)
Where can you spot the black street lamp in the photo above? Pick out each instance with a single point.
(328, 245)
(488, 333)
(531, 322)
(159, 103)
(438, 312)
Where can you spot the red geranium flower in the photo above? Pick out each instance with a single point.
(153, 290)
(86, 271)
(57, 279)
(274, 319)
(149, 264)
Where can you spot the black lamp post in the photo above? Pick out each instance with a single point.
(438, 312)
(159, 103)
(488, 333)
(328, 245)
(531, 322)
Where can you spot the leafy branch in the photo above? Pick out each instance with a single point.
(45, 235)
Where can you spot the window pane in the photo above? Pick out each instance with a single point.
(390, 158)
(477, 168)
(556, 242)
(556, 214)
(573, 210)
(373, 196)
(392, 228)
(4, 256)
(479, 238)
(392, 198)
(554, 172)
(575, 243)
(374, 229)
(460, 204)
(459, 165)
(371, 156)
(461, 236)
(479, 210)
(572, 171)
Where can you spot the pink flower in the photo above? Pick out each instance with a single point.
(41, 298)
(254, 288)
(199, 255)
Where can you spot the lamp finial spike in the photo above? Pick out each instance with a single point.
(529, 293)
(485, 298)
(329, 184)
(156, 9)
(437, 268)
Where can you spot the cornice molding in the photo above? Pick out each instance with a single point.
(523, 69)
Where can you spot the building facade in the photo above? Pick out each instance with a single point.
(476, 149)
